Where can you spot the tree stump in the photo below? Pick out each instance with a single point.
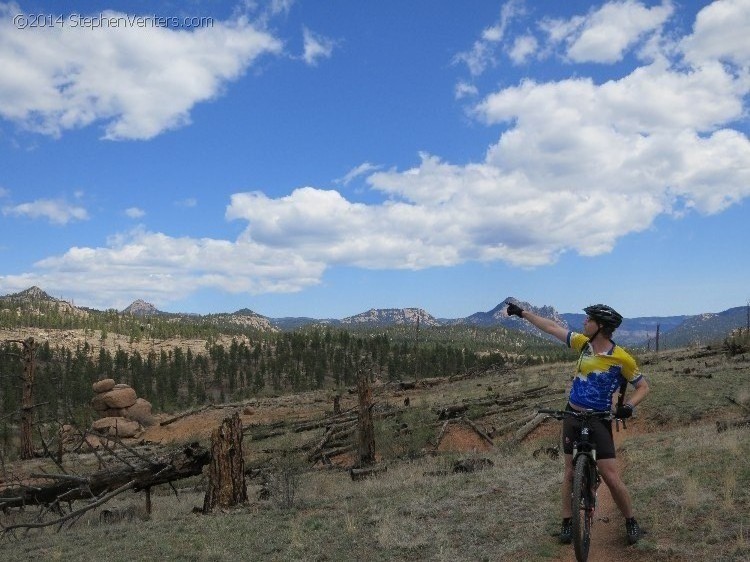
(336, 405)
(226, 474)
(366, 447)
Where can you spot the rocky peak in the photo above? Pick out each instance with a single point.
(390, 316)
(249, 318)
(34, 294)
(37, 301)
(499, 316)
(141, 308)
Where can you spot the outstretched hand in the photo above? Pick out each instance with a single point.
(514, 310)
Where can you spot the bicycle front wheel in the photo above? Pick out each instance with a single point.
(583, 502)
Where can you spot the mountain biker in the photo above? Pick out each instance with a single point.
(601, 369)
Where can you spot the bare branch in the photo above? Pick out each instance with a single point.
(77, 513)
(64, 477)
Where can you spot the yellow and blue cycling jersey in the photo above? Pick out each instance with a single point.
(598, 376)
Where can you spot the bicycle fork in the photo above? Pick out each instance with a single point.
(593, 491)
(594, 479)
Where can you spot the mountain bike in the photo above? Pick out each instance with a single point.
(586, 477)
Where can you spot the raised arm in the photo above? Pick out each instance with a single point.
(544, 324)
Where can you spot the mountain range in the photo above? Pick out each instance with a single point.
(673, 330)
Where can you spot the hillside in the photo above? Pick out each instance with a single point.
(392, 317)
(705, 328)
(144, 327)
(177, 362)
(680, 470)
(34, 307)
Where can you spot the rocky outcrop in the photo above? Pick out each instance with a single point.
(141, 308)
(120, 398)
(121, 412)
(116, 427)
(104, 385)
(392, 317)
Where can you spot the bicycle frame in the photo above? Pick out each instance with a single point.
(586, 478)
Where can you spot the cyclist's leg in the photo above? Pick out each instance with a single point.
(607, 464)
(610, 473)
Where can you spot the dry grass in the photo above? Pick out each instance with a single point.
(691, 486)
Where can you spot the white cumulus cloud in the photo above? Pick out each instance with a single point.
(576, 166)
(605, 34)
(483, 53)
(56, 211)
(523, 48)
(316, 47)
(136, 81)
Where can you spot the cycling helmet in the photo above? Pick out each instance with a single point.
(605, 315)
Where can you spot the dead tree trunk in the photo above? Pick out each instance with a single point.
(46, 489)
(336, 405)
(366, 427)
(27, 400)
(657, 338)
(226, 476)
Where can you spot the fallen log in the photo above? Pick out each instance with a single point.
(505, 427)
(330, 453)
(480, 432)
(725, 425)
(73, 514)
(315, 453)
(184, 415)
(362, 473)
(266, 435)
(202, 409)
(47, 489)
(336, 420)
(530, 393)
(457, 410)
(740, 404)
(451, 412)
(529, 427)
(515, 407)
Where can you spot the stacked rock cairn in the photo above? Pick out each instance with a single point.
(121, 412)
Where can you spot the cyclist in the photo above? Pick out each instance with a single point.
(602, 367)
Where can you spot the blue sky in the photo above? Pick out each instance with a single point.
(320, 158)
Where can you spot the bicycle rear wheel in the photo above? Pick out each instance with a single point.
(583, 502)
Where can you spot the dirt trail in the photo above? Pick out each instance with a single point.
(608, 541)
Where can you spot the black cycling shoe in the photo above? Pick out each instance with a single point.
(566, 532)
(633, 530)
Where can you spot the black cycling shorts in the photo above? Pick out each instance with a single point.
(600, 434)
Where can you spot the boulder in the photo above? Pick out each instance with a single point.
(116, 427)
(114, 413)
(120, 397)
(103, 385)
(98, 403)
(140, 412)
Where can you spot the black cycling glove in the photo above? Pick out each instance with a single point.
(514, 310)
(624, 412)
